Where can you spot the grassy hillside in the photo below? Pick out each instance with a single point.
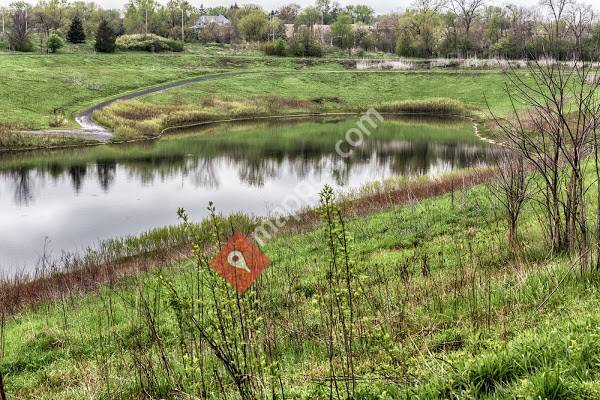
(47, 91)
(35, 85)
(360, 88)
(308, 91)
(442, 309)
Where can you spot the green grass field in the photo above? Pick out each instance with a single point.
(442, 308)
(444, 311)
(47, 91)
(361, 89)
(308, 91)
(35, 85)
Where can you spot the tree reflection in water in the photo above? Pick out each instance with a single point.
(106, 173)
(77, 175)
(256, 154)
(114, 191)
(22, 183)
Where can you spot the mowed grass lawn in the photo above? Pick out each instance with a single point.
(32, 86)
(362, 89)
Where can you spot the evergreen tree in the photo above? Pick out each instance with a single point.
(105, 38)
(76, 32)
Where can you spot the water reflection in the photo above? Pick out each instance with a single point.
(78, 197)
(401, 158)
(77, 174)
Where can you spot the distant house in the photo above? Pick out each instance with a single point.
(207, 20)
(318, 30)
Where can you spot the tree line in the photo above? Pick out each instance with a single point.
(428, 28)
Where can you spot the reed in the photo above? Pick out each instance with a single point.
(139, 119)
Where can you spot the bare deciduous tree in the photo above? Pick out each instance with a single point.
(553, 127)
(18, 36)
(467, 10)
(579, 20)
(594, 112)
(557, 9)
(510, 189)
(428, 5)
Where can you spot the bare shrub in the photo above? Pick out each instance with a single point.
(510, 190)
(552, 126)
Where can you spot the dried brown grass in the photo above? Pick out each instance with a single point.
(21, 292)
(407, 193)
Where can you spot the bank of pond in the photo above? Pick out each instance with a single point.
(66, 201)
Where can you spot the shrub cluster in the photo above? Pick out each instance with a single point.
(279, 48)
(54, 42)
(3, 42)
(297, 47)
(148, 42)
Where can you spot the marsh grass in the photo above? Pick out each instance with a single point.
(12, 138)
(137, 119)
(433, 106)
(107, 263)
(134, 119)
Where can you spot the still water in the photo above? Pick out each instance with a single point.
(66, 201)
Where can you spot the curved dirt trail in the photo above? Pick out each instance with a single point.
(91, 130)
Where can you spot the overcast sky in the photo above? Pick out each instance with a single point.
(380, 6)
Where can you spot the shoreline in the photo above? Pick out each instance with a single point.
(21, 293)
(244, 119)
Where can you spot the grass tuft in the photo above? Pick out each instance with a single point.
(433, 106)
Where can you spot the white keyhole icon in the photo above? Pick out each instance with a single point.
(236, 260)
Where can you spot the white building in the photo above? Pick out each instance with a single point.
(206, 20)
